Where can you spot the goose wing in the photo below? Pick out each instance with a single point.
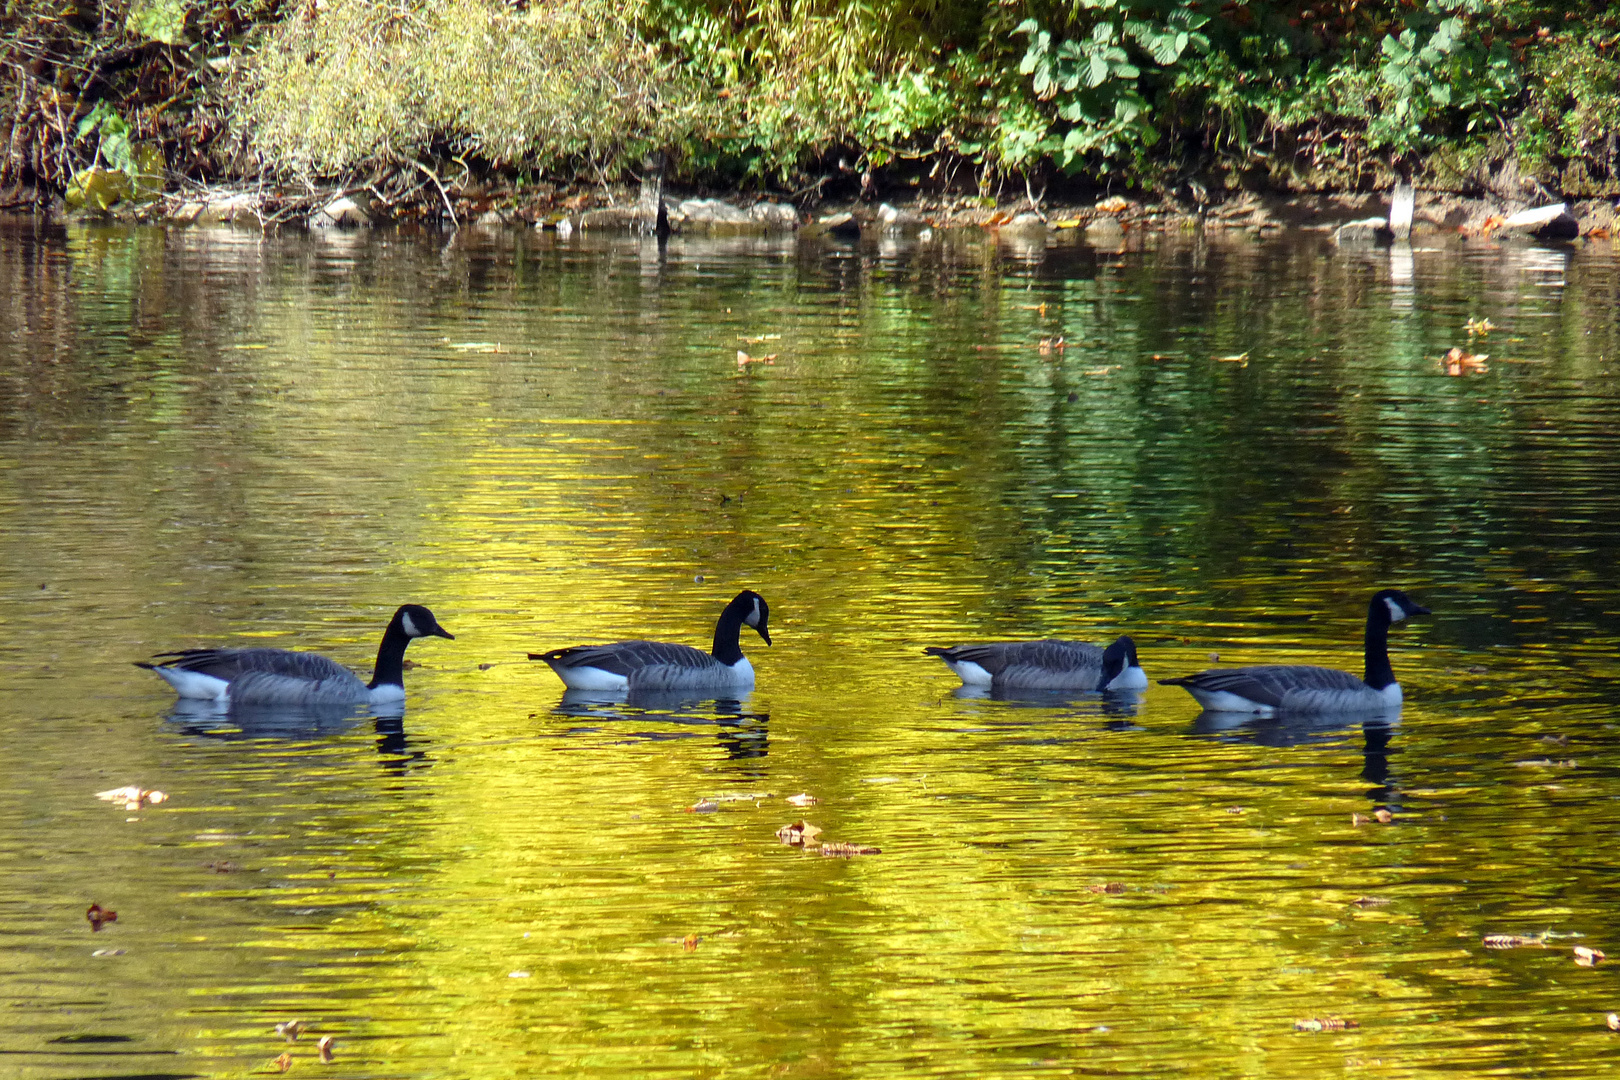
(1003, 658)
(232, 664)
(628, 657)
(1269, 684)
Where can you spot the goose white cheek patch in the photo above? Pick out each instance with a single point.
(1395, 612)
(410, 627)
(753, 616)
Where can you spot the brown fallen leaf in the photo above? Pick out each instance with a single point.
(1513, 941)
(1614, 1021)
(1588, 957)
(1369, 901)
(846, 850)
(1461, 362)
(690, 942)
(1326, 1023)
(1359, 819)
(1112, 888)
(1049, 345)
(803, 800)
(703, 806)
(798, 834)
(222, 866)
(283, 1063)
(485, 667)
(1384, 816)
(99, 916)
(291, 1029)
(325, 1047)
(743, 359)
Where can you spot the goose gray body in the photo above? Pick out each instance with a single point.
(1048, 664)
(661, 665)
(1270, 689)
(285, 677)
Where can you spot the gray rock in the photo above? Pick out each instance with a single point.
(774, 215)
(844, 226)
(1032, 222)
(896, 220)
(1401, 206)
(610, 217)
(1105, 229)
(231, 208)
(494, 218)
(1553, 222)
(1373, 230)
(187, 212)
(712, 212)
(345, 211)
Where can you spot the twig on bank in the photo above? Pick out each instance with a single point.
(431, 175)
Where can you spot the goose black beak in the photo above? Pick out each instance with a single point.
(1419, 609)
(766, 634)
(439, 631)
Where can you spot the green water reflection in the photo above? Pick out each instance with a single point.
(213, 437)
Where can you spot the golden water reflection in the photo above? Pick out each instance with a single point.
(207, 436)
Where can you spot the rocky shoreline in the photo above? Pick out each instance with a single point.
(1351, 217)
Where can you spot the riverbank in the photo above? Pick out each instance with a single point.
(619, 208)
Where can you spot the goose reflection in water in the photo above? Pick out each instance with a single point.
(1377, 731)
(287, 723)
(743, 734)
(1115, 703)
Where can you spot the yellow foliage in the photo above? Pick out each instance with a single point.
(354, 82)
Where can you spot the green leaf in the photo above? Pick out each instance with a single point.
(158, 20)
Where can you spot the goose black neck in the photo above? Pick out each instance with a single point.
(726, 649)
(1378, 672)
(390, 669)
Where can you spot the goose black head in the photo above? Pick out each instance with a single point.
(755, 612)
(1119, 655)
(417, 621)
(1399, 605)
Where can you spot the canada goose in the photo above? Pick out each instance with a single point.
(1045, 665)
(283, 677)
(660, 665)
(1302, 688)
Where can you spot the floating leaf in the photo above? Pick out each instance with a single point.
(1614, 1021)
(1548, 763)
(1241, 359)
(325, 1047)
(132, 797)
(1370, 901)
(846, 850)
(798, 834)
(1459, 362)
(1049, 345)
(99, 916)
(758, 339)
(108, 952)
(1326, 1023)
(703, 806)
(1384, 816)
(291, 1029)
(1478, 327)
(1588, 957)
(477, 346)
(284, 1062)
(1514, 941)
(743, 359)
(803, 800)
(690, 942)
(222, 866)
(1112, 888)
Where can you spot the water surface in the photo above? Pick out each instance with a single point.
(1223, 447)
